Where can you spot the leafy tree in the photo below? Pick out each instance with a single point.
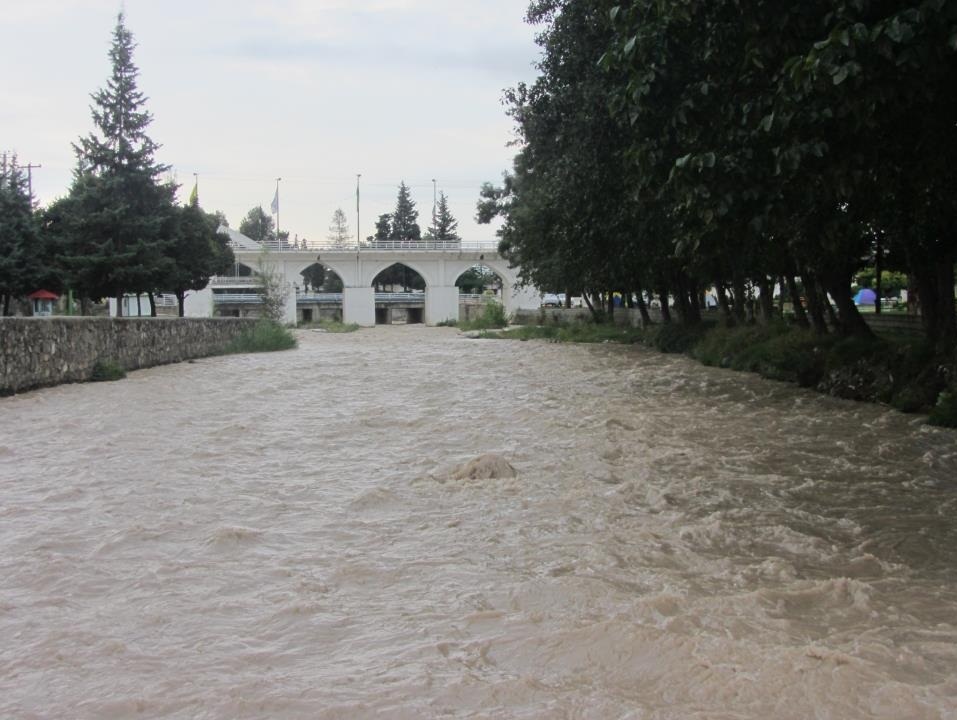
(404, 225)
(119, 217)
(258, 225)
(339, 229)
(444, 226)
(198, 252)
(314, 276)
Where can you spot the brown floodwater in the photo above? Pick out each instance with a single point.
(280, 536)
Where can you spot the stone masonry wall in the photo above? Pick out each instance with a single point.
(36, 352)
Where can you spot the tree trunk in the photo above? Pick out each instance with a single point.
(642, 309)
(139, 306)
(152, 299)
(814, 305)
(946, 313)
(6, 305)
(723, 303)
(610, 305)
(181, 302)
(568, 299)
(737, 283)
(594, 313)
(766, 288)
(665, 310)
(851, 322)
(800, 317)
(119, 305)
(878, 268)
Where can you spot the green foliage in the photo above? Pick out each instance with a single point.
(403, 222)
(493, 316)
(107, 370)
(271, 290)
(944, 413)
(198, 251)
(675, 337)
(443, 228)
(744, 143)
(115, 227)
(264, 336)
(22, 267)
(258, 225)
(447, 323)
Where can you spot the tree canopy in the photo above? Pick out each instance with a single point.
(673, 145)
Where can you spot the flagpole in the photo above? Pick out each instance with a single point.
(358, 233)
(278, 241)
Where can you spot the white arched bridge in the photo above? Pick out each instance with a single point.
(440, 265)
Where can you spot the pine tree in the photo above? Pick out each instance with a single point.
(121, 214)
(443, 224)
(383, 228)
(21, 270)
(339, 229)
(404, 225)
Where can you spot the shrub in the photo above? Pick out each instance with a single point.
(676, 337)
(107, 370)
(264, 336)
(493, 317)
(944, 413)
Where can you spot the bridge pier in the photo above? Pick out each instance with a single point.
(290, 316)
(358, 306)
(441, 304)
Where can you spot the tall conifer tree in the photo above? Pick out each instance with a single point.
(20, 269)
(404, 225)
(120, 212)
(444, 226)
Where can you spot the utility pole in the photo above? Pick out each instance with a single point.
(30, 167)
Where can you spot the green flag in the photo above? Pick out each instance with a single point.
(194, 196)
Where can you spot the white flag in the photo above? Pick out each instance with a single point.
(275, 202)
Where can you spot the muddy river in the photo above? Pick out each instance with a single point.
(281, 536)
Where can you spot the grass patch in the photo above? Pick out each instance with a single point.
(264, 336)
(106, 371)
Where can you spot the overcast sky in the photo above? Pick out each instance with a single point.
(312, 91)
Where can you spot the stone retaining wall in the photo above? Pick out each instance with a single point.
(35, 352)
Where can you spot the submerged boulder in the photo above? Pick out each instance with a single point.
(485, 467)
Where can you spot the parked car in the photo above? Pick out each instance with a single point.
(553, 300)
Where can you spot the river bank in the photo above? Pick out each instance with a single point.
(897, 370)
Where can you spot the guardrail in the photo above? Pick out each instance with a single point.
(403, 245)
(319, 298)
(228, 281)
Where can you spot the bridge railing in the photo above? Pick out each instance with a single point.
(379, 245)
(242, 298)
